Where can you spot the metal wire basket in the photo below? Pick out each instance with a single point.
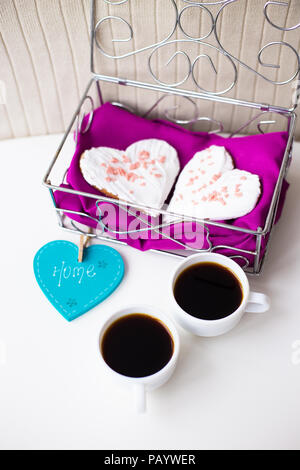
(184, 106)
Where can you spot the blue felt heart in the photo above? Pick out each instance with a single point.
(73, 288)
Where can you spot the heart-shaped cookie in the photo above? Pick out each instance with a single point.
(209, 188)
(73, 288)
(144, 173)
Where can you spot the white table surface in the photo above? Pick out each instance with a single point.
(240, 390)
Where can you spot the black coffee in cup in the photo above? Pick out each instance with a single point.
(137, 345)
(208, 291)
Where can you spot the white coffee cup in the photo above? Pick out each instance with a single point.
(251, 302)
(141, 385)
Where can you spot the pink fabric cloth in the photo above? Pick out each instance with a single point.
(117, 128)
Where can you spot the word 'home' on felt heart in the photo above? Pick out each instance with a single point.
(65, 272)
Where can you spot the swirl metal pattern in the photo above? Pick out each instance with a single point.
(284, 4)
(270, 44)
(120, 19)
(213, 21)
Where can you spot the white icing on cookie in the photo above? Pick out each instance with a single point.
(144, 173)
(209, 188)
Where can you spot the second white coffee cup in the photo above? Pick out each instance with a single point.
(251, 301)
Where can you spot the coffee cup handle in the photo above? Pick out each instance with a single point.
(257, 303)
(140, 397)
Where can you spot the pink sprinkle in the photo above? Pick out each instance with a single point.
(103, 164)
(144, 155)
(134, 166)
(203, 172)
(111, 170)
(121, 171)
(131, 192)
(224, 189)
(214, 196)
(191, 171)
(126, 159)
(132, 177)
(143, 184)
(243, 178)
(204, 198)
(191, 181)
(239, 194)
(181, 196)
(162, 159)
(114, 160)
(216, 176)
(158, 175)
(109, 179)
